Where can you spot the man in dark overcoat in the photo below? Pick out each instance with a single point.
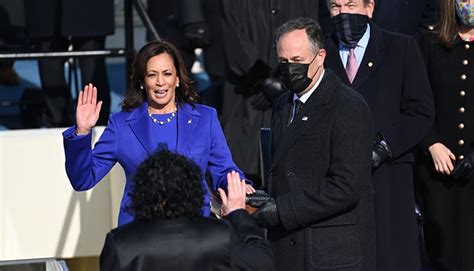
(321, 217)
(388, 70)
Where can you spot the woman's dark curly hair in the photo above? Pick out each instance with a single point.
(135, 95)
(166, 185)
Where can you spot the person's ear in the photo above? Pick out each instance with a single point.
(321, 56)
(370, 8)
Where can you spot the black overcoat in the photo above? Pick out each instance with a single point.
(448, 204)
(321, 179)
(393, 81)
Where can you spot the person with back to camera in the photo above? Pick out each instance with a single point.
(159, 108)
(168, 232)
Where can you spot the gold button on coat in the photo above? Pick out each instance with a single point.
(462, 93)
(466, 46)
(462, 110)
(463, 77)
(461, 126)
(465, 62)
(461, 142)
(460, 157)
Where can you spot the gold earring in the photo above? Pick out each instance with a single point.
(177, 84)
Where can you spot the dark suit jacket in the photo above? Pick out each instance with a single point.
(320, 176)
(393, 80)
(188, 244)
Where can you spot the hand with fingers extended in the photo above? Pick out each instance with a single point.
(88, 109)
(249, 189)
(236, 193)
(442, 158)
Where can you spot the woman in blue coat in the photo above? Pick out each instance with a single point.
(159, 109)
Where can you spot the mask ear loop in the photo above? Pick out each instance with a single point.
(318, 66)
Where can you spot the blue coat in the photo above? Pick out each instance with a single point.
(127, 140)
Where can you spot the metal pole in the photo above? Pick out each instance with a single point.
(35, 55)
(129, 44)
(142, 12)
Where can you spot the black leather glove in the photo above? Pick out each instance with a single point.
(272, 88)
(258, 199)
(198, 34)
(267, 216)
(464, 169)
(380, 153)
(254, 77)
(260, 102)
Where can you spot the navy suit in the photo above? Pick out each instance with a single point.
(393, 80)
(127, 140)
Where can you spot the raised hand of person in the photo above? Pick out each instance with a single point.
(236, 193)
(442, 158)
(88, 109)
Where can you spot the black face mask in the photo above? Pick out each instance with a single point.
(295, 75)
(349, 28)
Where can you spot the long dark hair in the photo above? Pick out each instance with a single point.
(448, 27)
(135, 95)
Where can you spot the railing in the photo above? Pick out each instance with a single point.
(128, 52)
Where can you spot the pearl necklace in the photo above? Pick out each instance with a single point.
(163, 122)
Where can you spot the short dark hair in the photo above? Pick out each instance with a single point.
(166, 185)
(313, 31)
(135, 95)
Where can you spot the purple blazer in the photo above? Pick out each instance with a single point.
(127, 140)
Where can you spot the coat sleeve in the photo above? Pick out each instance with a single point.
(417, 105)
(241, 53)
(426, 42)
(109, 260)
(220, 159)
(85, 166)
(249, 249)
(347, 177)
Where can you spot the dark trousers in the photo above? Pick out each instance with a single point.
(59, 107)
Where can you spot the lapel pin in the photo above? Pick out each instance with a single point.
(370, 64)
(189, 121)
(304, 118)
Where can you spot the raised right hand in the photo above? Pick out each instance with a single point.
(88, 109)
(236, 193)
(442, 158)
